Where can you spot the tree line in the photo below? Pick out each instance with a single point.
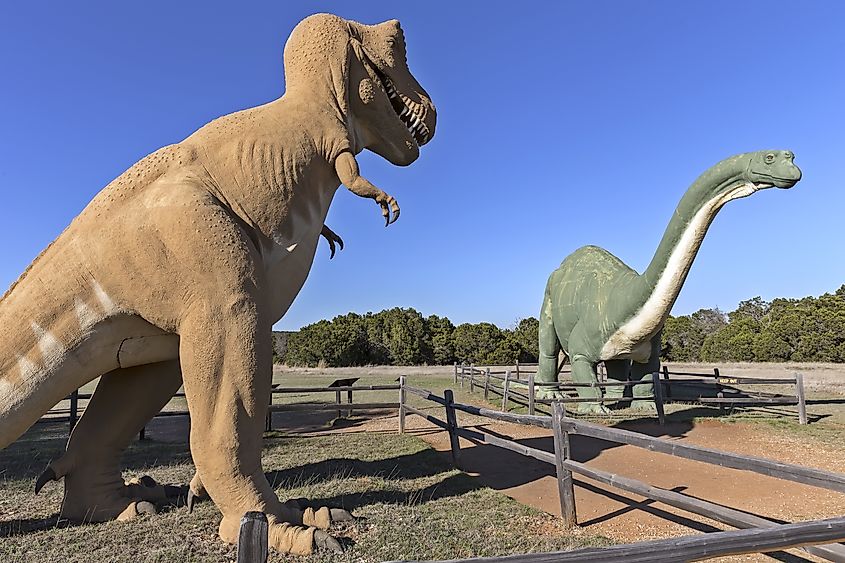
(404, 337)
(811, 329)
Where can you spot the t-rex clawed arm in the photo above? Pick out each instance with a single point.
(347, 170)
(332, 238)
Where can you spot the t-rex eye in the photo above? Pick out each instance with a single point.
(770, 158)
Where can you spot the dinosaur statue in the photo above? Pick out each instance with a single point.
(176, 271)
(596, 308)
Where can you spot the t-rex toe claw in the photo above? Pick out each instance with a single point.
(322, 540)
(46, 476)
(341, 515)
(145, 507)
(190, 501)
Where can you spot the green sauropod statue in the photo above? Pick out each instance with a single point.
(596, 308)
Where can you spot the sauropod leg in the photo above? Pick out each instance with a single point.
(549, 350)
(584, 371)
(618, 371)
(124, 400)
(643, 371)
(226, 366)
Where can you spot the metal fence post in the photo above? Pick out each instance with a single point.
(452, 424)
(486, 384)
(531, 393)
(252, 538)
(402, 399)
(802, 403)
(564, 476)
(658, 397)
(506, 386)
(74, 407)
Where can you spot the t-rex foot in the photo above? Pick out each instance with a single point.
(284, 537)
(317, 517)
(97, 495)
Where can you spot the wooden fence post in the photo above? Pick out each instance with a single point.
(564, 476)
(719, 393)
(349, 400)
(402, 399)
(268, 419)
(658, 397)
(486, 383)
(506, 386)
(472, 381)
(455, 364)
(74, 407)
(802, 403)
(668, 385)
(337, 400)
(531, 393)
(517, 370)
(252, 538)
(452, 424)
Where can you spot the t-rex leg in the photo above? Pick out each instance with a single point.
(226, 368)
(549, 350)
(641, 371)
(124, 400)
(584, 371)
(618, 371)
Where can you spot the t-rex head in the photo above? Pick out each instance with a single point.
(365, 69)
(773, 168)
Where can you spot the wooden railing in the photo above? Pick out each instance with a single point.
(563, 427)
(75, 411)
(681, 389)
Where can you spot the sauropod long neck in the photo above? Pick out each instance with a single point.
(662, 280)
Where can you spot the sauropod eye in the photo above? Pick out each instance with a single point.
(770, 158)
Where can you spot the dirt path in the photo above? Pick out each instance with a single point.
(625, 517)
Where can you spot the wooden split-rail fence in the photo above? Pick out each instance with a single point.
(759, 534)
(518, 385)
(340, 388)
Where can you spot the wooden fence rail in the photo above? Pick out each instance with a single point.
(75, 411)
(690, 548)
(562, 427)
(666, 390)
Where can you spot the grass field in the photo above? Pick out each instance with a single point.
(411, 504)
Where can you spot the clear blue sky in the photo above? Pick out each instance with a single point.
(559, 124)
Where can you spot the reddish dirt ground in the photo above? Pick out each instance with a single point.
(621, 516)
(625, 517)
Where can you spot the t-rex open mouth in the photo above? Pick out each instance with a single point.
(409, 113)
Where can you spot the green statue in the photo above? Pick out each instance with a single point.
(598, 309)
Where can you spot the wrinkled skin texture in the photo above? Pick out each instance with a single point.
(176, 271)
(596, 308)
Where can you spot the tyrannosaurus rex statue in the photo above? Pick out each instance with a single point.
(597, 309)
(177, 270)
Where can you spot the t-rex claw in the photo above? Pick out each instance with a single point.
(341, 515)
(145, 507)
(46, 476)
(322, 540)
(190, 501)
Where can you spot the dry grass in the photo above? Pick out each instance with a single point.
(411, 504)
